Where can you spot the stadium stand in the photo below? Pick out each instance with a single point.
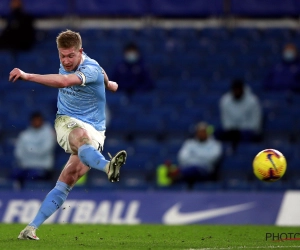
(182, 98)
(192, 68)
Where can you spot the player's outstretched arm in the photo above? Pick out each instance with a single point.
(110, 85)
(51, 80)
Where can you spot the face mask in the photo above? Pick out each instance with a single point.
(289, 55)
(131, 57)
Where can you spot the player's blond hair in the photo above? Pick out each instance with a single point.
(68, 39)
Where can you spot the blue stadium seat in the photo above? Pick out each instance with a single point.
(240, 185)
(6, 185)
(44, 186)
(274, 186)
(120, 124)
(177, 187)
(292, 171)
(137, 187)
(115, 145)
(178, 127)
(6, 161)
(148, 99)
(6, 58)
(279, 124)
(250, 149)
(61, 159)
(116, 99)
(177, 99)
(208, 186)
(15, 123)
(208, 99)
(236, 168)
(147, 124)
(147, 147)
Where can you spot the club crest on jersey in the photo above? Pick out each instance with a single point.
(71, 124)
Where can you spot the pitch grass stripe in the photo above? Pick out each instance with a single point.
(229, 248)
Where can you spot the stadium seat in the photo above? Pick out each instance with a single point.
(137, 187)
(192, 68)
(120, 124)
(178, 187)
(236, 168)
(61, 159)
(44, 186)
(240, 185)
(117, 99)
(249, 149)
(147, 125)
(208, 186)
(138, 162)
(274, 186)
(147, 146)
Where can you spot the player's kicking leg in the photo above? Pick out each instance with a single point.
(113, 167)
(94, 159)
(82, 139)
(72, 172)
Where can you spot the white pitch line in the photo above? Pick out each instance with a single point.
(229, 248)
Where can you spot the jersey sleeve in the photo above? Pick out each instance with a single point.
(87, 74)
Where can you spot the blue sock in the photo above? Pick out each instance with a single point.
(54, 199)
(91, 157)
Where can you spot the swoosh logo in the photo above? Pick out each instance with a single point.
(271, 160)
(174, 216)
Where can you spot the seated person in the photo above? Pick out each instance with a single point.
(285, 75)
(241, 115)
(131, 74)
(198, 157)
(34, 151)
(166, 174)
(19, 32)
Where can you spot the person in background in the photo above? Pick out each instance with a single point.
(285, 75)
(34, 151)
(198, 158)
(19, 33)
(166, 174)
(131, 73)
(241, 115)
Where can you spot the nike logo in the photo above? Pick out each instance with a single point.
(174, 216)
(270, 159)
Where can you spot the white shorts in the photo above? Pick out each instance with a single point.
(65, 124)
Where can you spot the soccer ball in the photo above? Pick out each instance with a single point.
(269, 165)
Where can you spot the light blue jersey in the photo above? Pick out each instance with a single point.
(87, 101)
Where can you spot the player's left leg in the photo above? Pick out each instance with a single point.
(73, 170)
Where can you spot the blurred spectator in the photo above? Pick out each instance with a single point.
(199, 157)
(241, 115)
(35, 151)
(131, 74)
(285, 75)
(166, 174)
(19, 33)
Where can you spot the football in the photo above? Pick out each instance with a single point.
(269, 165)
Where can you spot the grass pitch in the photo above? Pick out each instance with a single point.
(123, 237)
